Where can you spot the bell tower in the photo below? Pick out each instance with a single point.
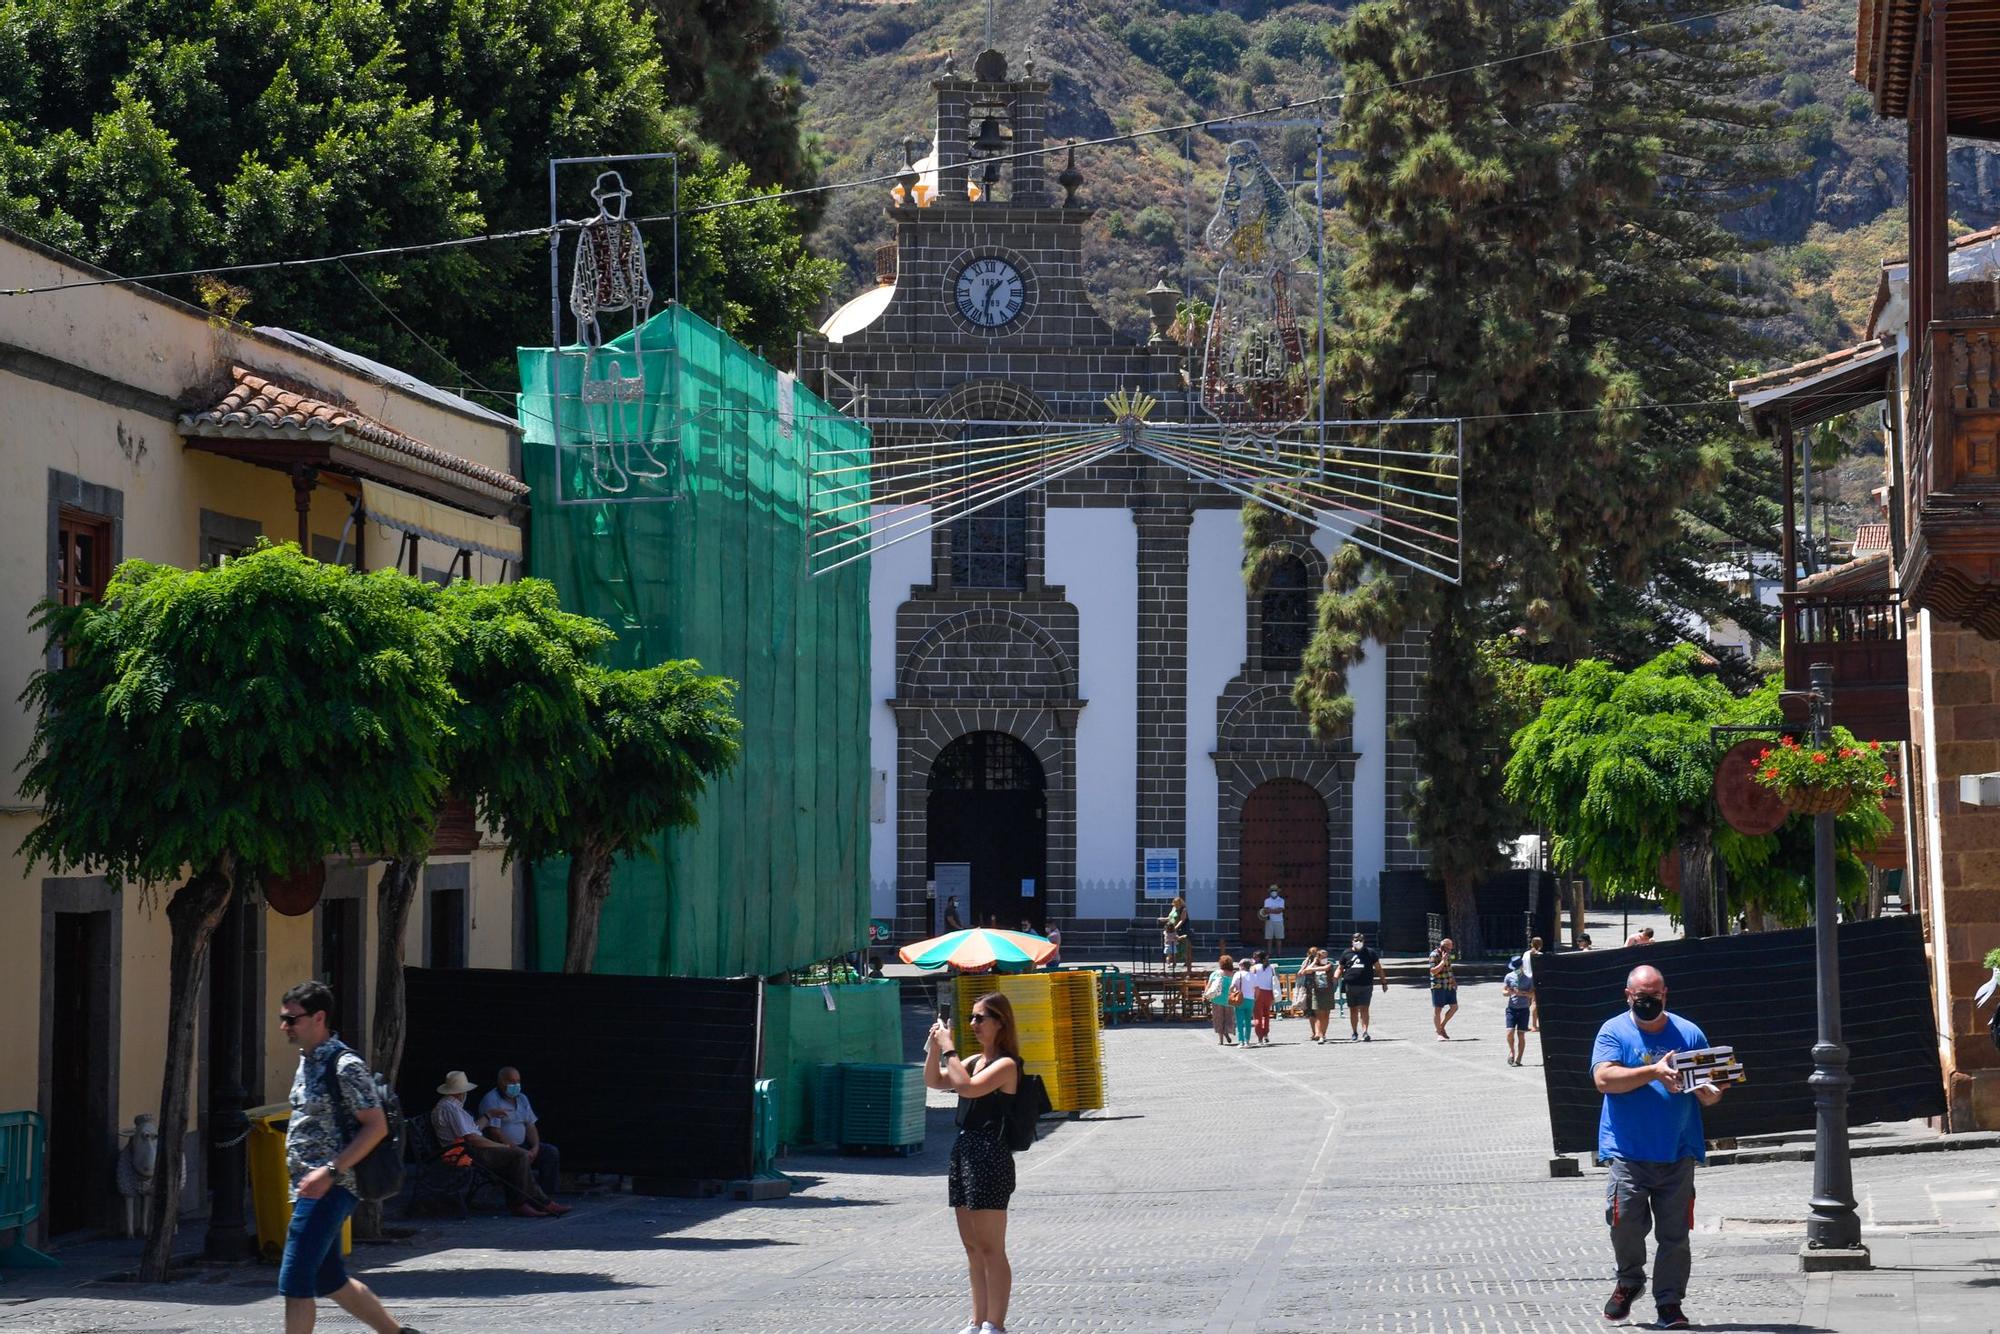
(990, 131)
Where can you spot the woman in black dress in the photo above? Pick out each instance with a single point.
(982, 1167)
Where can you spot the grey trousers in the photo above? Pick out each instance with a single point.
(1657, 1198)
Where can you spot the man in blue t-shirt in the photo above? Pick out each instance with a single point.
(1649, 1135)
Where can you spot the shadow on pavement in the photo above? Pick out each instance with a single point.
(393, 1285)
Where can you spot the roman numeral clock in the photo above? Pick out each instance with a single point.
(988, 291)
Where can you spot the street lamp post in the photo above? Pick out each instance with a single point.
(1833, 1229)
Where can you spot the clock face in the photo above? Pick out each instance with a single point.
(990, 292)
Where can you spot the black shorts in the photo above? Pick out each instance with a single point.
(1359, 996)
(982, 1172)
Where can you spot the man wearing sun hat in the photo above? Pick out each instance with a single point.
(456, 1129)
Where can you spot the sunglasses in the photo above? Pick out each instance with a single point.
(980, 1016)
(287, 1020)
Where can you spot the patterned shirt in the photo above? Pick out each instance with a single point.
(315, 1136)
(1442, 978)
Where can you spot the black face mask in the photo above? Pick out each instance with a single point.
(1648, 1008)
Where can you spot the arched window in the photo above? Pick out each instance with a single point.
(990, 549)
(1284, 616)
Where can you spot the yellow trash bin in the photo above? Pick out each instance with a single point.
(271, 1184)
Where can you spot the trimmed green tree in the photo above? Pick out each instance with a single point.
(520, 730)
(203, 726)
(1620, 767)
(661, 735)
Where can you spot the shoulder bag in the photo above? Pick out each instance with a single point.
(379, 1176)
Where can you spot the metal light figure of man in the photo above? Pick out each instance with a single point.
(610, 263)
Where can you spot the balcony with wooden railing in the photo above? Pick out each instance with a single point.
(1860, 635)
(1951, 566)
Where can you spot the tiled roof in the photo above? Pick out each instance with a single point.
(260, 406)
(1865, 575)
(1870, 538)
(1804, 370)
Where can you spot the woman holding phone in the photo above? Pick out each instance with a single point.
(981, 1179)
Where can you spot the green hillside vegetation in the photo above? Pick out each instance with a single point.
(1818, 236)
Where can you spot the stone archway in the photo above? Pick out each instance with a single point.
(1283, 842)
(986, 822)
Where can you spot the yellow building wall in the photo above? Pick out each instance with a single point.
(122, 358)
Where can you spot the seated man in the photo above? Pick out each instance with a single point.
(511, 1117)
(510, 1166)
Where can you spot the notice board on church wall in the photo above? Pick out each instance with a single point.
(1757, 993)
(651, 1077)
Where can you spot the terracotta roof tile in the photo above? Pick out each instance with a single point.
(260, 405)
(1870, 538)
(1804, 370)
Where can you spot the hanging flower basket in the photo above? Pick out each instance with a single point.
(1816, 800)
(1829, 779)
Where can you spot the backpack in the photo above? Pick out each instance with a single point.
(379, 1176)
(1031, 1100)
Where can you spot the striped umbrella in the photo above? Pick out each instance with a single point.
(978, 948)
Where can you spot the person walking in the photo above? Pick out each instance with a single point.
(320, 1154)
(1242, 1001)
(1519, 989)
(1273, 913)
(980, 1180)
(1532, 957)
(1359, 972)
(1263, 987)
(1444, 987)
(1649, 1135)
(1221, 1010)
(1315, 983)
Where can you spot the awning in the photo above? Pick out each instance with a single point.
(301, 430)
(1818, 390)
(440, 523)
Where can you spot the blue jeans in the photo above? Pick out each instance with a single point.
(312, 1265)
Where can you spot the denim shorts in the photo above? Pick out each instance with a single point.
(1518, 1018)
(1444, 997)
(312, 1265)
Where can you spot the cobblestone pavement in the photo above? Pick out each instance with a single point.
(1397, 1185)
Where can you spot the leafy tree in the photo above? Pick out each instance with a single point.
(661, 734)
(205, 726)
(151, 137)
(519, 732)
(1620, 767)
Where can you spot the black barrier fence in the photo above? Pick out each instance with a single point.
(650, 1077)
(1756, 993)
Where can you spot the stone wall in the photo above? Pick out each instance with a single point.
(1955, 717)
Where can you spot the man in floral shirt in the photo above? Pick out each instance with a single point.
(320, 1154)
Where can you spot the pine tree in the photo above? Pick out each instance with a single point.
(1676, 300)
(1472, 188)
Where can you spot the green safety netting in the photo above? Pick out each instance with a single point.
(671, 475)
(863, 1023)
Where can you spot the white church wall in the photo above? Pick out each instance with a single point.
(1216, 628)
(891, 572)
(1368, 685)
(1093, 554)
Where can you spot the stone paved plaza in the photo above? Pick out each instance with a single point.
(1400, 1185)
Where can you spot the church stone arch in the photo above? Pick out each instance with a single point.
(1313, 561)
(1262, 736)
(992, 651)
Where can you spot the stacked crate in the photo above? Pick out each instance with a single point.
(1056, 1020)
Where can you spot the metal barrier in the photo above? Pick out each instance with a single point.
(23, 1152)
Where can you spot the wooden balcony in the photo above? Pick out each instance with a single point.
(1861, 636)
(1951, 565)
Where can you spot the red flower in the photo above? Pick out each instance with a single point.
(1848, 754)
(1770, 773)
(1763, 754)
(1890, 779)
(1874, 745)
(1819, 757)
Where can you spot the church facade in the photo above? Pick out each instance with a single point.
(1079, 707)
